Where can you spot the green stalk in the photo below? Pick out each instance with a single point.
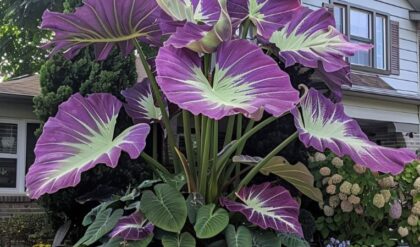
(245, 29)
(204, 167)
(158, 96)
(155, 141)
(198, 137)
(212, 184)
(188, 141)
(154, 163)
(204, 120)
(254, 171)
(238, 136)
(225, 156)
(229, 130)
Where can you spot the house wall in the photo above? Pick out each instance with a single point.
(17, 204)
(398, 10)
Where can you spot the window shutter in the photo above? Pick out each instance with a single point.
(395, 48)
(329, 7)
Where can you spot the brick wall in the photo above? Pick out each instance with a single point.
(16, 205)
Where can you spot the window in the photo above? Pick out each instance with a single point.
(17, 140)
(365, 27)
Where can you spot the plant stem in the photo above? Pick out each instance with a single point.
(155, 141)
(229, 130)
(238, 136)
(245, 28)
(225, 156)
(154, 163)
(198, 137)
(204, 166)
(158, 96)
(254, 171)
(188, 141)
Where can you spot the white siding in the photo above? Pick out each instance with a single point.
(398, 10)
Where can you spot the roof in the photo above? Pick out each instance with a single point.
(28, 86)
(415, 4)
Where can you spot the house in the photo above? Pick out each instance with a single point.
(17, 141)
(385, 96)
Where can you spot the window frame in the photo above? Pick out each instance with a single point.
(372, 56)
(20, 156)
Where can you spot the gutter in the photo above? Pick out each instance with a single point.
(381, 94)
(15, 97)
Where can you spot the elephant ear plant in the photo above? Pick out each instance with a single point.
(219, 62)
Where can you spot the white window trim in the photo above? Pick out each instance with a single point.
(20, 156)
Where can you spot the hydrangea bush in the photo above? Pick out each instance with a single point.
(218, 62)
(365, 207)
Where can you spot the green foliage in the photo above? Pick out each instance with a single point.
(210, 222)
(166, 208)
(174, 240)
(29, 229)
(265, 239)
(240, 237)
(358, 202)
(104, 222)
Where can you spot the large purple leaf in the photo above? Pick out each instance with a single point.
(78, 138)
(267, 206)
(204, 37)
(245, 80)
(178, 12)
(104, 23)
(310, 37)
(323, 124)
(140, 104)
(132, 227)
(267, 16)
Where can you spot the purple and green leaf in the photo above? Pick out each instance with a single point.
(245, 80)
(267, 206)
(78, 138)
(266, 16)
(104, 24)
(140, 104)
(324, 125)
(132, 227)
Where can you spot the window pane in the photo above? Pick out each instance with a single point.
(339, 14)
(380, 43)
(8, 138)
(361, 57)
(30, 144)
(360, 23)
(8, 171)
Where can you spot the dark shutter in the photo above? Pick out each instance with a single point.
(329, 7)
(395, 48)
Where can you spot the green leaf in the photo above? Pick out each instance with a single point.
(298, 175)
(210, 222)
(166, 209)
(140, 243)
(290, 240)
(194, 202)
(90, 217)
(265, 239)
(177, 181)
(241, 237)
(104, 222)
(183, 240)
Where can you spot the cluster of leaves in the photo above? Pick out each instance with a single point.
(176, 217)
(27, 229)
(409, 188)
(361, 206)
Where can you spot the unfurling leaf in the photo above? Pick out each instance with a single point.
(78, 138)
(166, 208)
(210, 222)
(322, 124)
(298, 175)
(267, 206)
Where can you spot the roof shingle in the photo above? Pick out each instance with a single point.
(26, 86)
